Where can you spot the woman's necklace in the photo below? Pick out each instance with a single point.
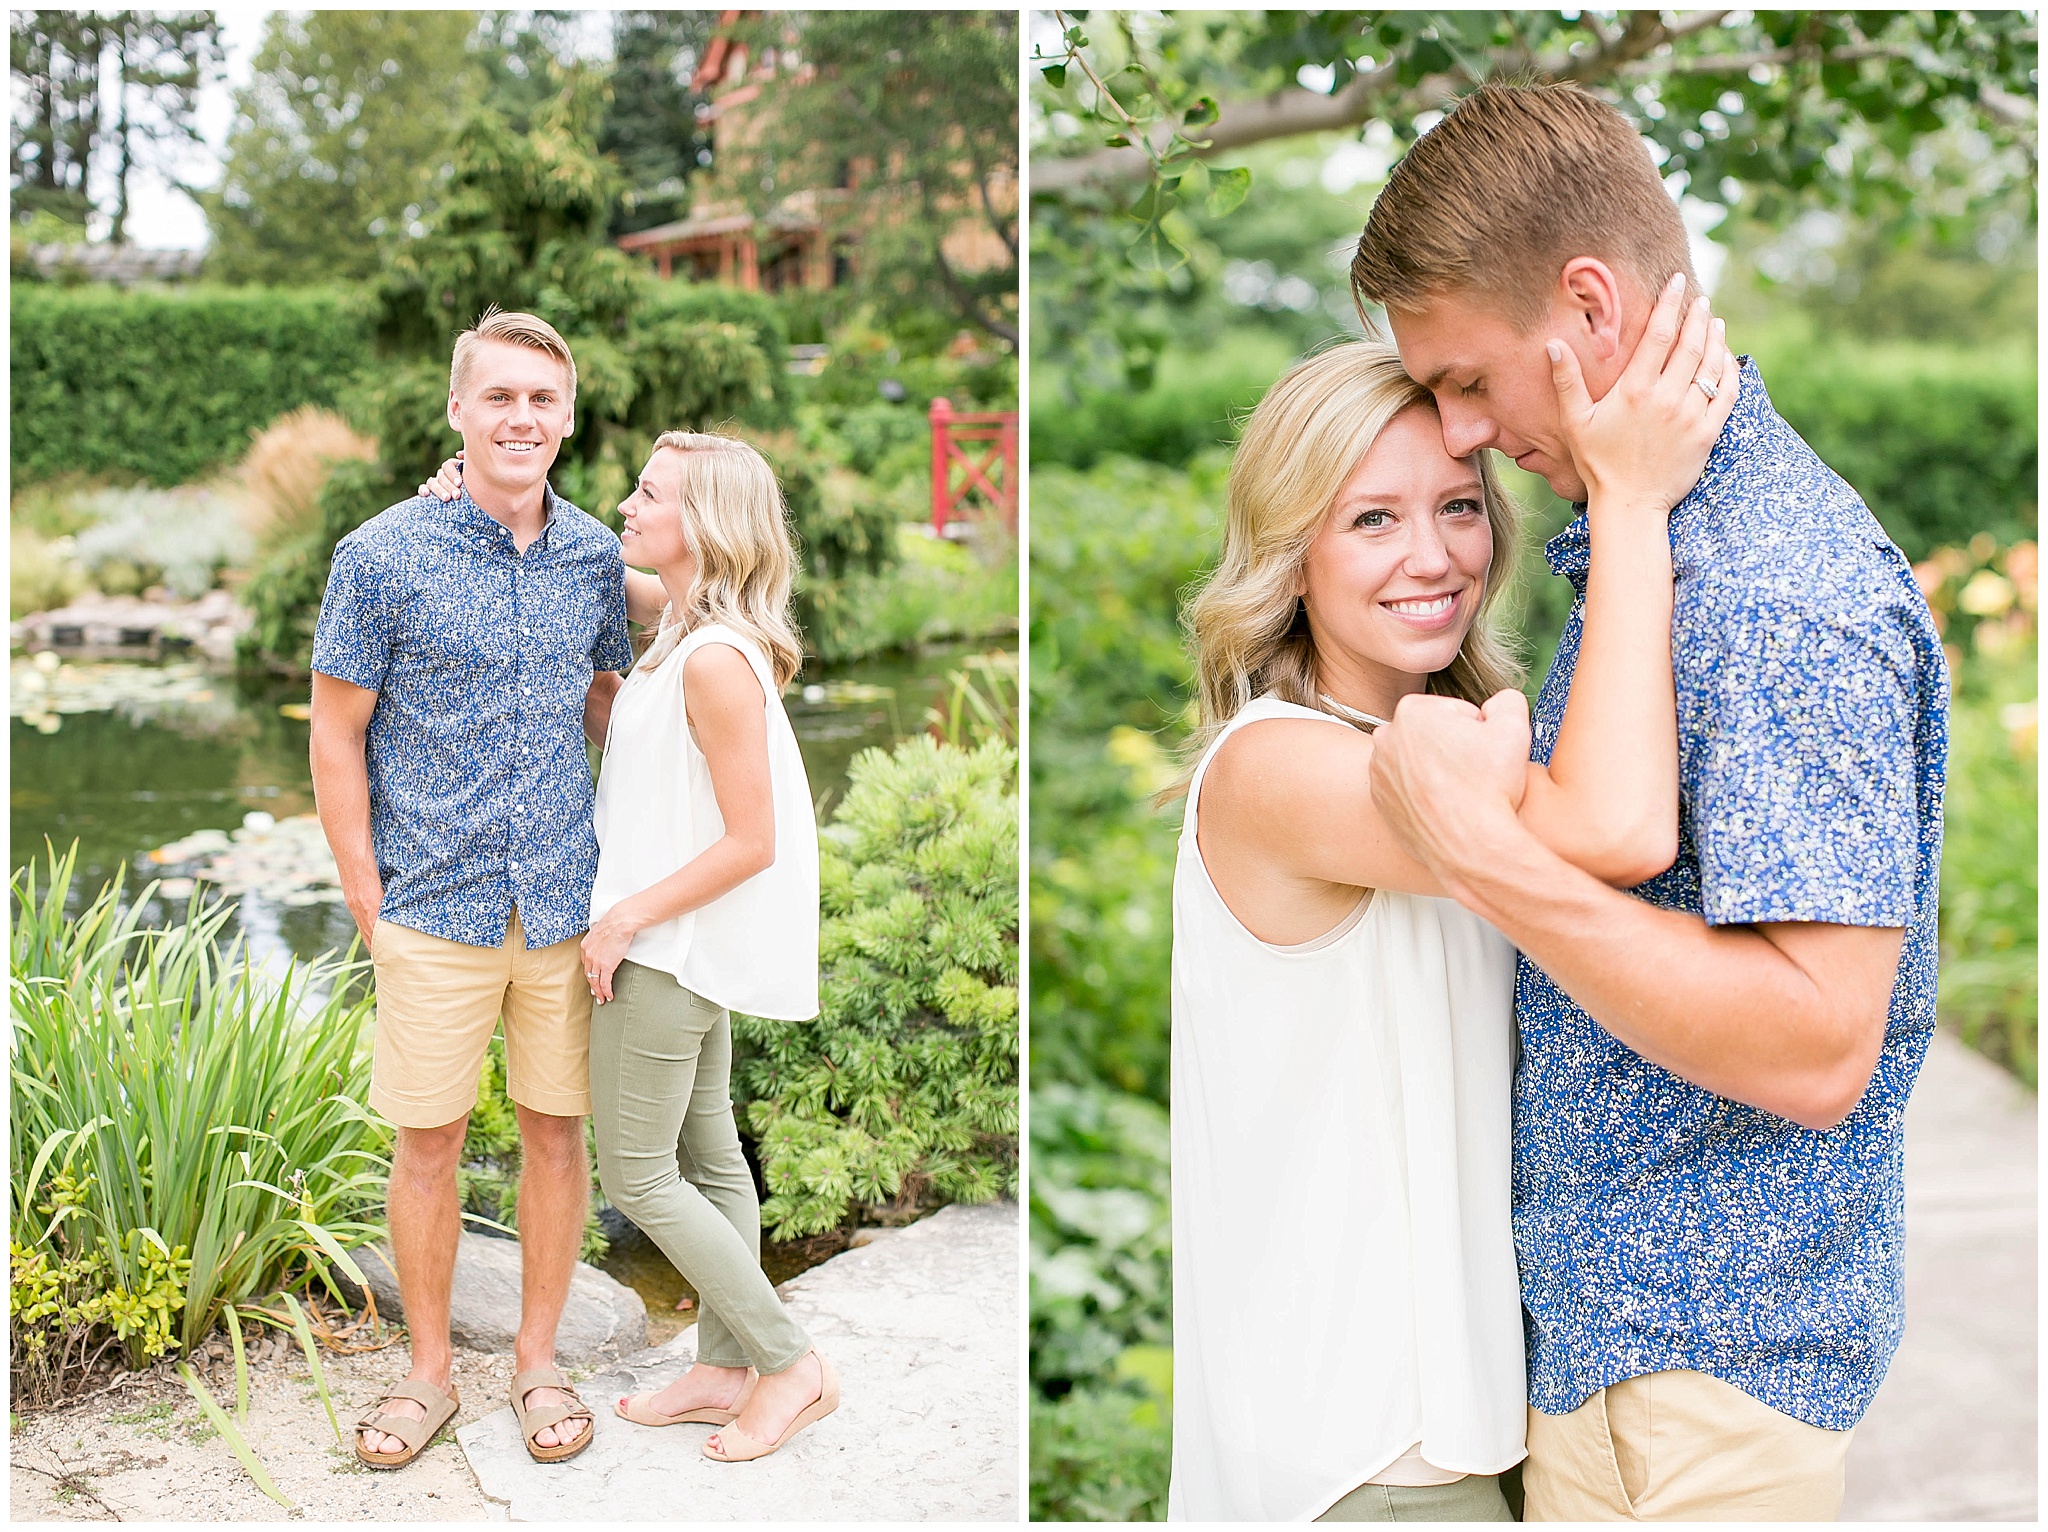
(1351, 715)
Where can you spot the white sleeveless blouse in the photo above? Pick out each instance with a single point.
(755, 947)
(1344, 1280)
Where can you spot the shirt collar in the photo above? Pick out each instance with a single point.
(1570, 553)
(474, 518)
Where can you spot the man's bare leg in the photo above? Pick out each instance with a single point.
(426, 1227)
(554, 1203)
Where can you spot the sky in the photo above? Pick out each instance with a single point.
(161, 217)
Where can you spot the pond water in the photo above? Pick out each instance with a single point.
(158, 753)
(129, 757)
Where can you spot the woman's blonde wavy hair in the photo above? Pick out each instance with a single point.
(738, 528)
(1248, 629)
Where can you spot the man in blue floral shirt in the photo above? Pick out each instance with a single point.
(1710, 1099)
(463, 654)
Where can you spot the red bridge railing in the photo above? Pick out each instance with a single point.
(974, 464)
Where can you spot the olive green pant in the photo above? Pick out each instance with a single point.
(1476, 1497)
(668, 1157)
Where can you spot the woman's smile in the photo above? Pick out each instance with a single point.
(1427, 614)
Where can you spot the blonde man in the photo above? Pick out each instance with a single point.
(1714, 1068)
(464, 652)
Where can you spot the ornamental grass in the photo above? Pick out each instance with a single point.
(186, 1130)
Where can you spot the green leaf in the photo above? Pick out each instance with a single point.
(1076, 38)
(241, 1363)
(335, 1253)
(1055, 76)
(232, 1437)
(305, 1334)
(1227, 189)
(1159, 198)
(1204, 110)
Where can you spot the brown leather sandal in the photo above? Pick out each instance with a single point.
(540, 1417)
(415, 1434)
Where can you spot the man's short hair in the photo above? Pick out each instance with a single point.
(521, 330)
(1514, 182)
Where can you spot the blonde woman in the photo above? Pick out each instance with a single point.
(706, 900)
(1347, 1321)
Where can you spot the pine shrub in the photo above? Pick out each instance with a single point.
(903, 1091)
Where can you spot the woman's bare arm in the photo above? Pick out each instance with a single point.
(645, 598)
(1608, 801)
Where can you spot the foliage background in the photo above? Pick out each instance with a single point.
(1874, 231)
(389, 174)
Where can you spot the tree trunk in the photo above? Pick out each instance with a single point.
(124, 153)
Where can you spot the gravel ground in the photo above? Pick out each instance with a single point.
(144, 1452)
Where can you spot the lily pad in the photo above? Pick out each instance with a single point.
(285, 860)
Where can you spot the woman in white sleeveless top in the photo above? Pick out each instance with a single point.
(1347, 1316)
(706, 901)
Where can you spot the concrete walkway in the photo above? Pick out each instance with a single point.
(1952, 1435)
(924, 1326)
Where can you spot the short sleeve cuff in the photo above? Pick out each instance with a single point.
(349, 668)
(1851, 909)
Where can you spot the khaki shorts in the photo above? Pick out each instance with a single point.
(438, 1002)
(1680, 1446)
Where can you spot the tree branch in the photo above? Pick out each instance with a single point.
(1645, 33)
(1742, 63)
(2013, 111)
(1284, 114)
(964, 297)
(1289, 113)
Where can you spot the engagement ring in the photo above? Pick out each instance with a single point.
(1707, 388)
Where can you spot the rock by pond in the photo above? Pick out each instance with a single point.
(602, 1320)
(209, 625)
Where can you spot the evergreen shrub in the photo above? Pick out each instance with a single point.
(165, 385)
(903, 1091)
(1101, 1305)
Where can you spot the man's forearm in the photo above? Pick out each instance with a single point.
(1722, 1007)
(341, 793)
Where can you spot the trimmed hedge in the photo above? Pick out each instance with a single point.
(165, 385)
(1940, 443)
(1195, 405)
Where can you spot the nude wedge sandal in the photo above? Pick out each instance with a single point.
(639, 1408)
(727, 1445)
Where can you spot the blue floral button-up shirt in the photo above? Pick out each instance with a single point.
(1660, 1225)
(480, 791)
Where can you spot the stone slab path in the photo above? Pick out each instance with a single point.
(924, 1327)
(1952, 1435)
